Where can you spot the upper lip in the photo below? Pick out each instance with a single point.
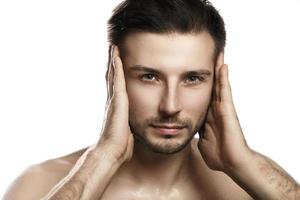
(169, 126)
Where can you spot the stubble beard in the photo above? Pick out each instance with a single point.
(165, 145)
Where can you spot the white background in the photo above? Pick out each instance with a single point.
(53, 57)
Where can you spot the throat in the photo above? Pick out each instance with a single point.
(151, 168)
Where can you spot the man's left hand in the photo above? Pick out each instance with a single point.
(222, 144)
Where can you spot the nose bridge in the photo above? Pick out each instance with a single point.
(170, 101)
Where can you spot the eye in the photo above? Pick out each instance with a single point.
(148, 77)
(194, 79)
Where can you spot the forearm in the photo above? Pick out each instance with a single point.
(263, 179)
(87, 180)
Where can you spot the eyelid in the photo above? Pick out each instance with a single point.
(199, 77)
(145, 74)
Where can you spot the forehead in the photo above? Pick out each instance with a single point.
(169, 49)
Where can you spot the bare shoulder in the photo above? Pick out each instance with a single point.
(215, 183)
(38, 179)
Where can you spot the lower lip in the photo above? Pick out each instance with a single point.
(168, 131)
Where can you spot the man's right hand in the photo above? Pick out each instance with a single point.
(93, 171)
(116, 139)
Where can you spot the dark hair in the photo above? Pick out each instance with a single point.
(166, 16)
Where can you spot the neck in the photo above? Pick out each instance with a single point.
(147, 167)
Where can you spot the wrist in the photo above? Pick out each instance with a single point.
(95, 172)
(107, 154)
(247, 157)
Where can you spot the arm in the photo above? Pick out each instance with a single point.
(87, 179)
(56, 179)
(263, 179)
(224, 148)
(93, 171)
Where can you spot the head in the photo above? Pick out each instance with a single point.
(169, 50)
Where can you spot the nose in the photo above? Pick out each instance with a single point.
(170, 104)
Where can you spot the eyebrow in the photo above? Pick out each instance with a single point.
(155, 71)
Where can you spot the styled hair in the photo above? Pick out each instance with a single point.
(166, 16)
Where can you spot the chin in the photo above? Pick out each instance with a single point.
(164, 144)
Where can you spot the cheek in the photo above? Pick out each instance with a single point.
(196, 102)
(142, 100)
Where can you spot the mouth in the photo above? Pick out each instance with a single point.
(168, 129)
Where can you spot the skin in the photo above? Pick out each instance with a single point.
(167, 97)
(219, 165)
(170, 96)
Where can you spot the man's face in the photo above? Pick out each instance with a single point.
(169, 80)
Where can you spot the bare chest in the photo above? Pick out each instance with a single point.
(147, 194)
(119, 190)
(212, 188)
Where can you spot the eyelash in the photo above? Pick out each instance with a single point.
(145, 75)
(199, 78)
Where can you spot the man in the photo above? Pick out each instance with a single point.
(167, 81)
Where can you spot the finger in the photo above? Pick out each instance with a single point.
(226, 94)
(209, 116)
(109, 74)
(204, 146)
(209, 133)
(225, 88)
(130, 144)
(218, 65)
(119, 85)
(211, 121)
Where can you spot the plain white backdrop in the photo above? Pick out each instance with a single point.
(53, 57)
